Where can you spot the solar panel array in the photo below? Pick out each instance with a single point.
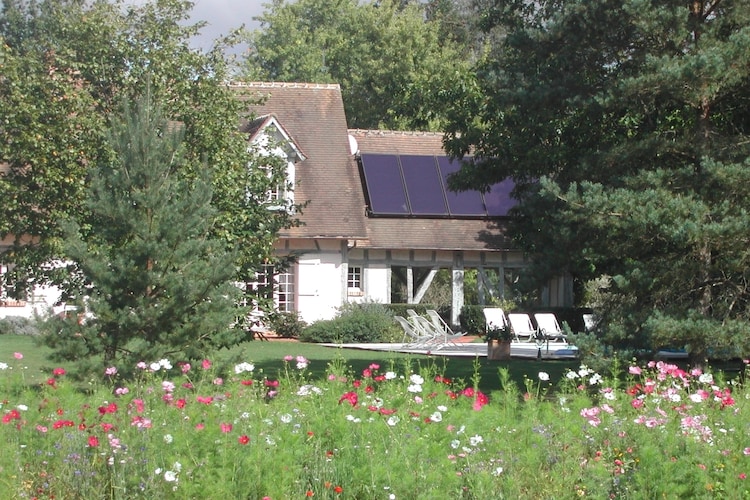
(414, 185)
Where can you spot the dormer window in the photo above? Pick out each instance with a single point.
(269, 138)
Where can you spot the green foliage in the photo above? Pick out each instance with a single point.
(392, 65)
(18, 325)
(633, 161)
(355, 323)
(66, 66)
(390, 431)
(286, 324)
(472, 319)
(158, 283)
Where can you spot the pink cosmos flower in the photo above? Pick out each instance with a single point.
(110, 371)
(288, 358)
(18, 355)
(185, 367)
(206, 364)
(226, 428)
(350, 397)
(58, 372)
(634, 370)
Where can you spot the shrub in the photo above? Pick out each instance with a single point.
(286, 324)
(472, 319)
(18, 325)
(355, 323)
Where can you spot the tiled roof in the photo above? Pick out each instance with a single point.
(313, 114)
(424, 233)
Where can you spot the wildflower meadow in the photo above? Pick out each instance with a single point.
(402, 431)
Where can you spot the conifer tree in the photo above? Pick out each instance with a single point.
(158, 283)
(625, 126)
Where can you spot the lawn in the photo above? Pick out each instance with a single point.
(267, 357)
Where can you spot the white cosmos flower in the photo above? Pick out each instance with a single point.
(416, 379)
(543, 376)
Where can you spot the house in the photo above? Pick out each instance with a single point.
(377, 210)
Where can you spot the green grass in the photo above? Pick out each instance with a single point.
(268, 357)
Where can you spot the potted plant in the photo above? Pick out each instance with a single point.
(498, 342)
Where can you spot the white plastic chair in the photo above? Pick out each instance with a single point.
(549, 327)
(522, 327)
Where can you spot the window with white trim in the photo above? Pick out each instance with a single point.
(354, 280)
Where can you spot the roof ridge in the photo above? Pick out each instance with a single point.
(384, 133)
(289, 85)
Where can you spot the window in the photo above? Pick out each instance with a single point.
(354, 280)
(284, 293)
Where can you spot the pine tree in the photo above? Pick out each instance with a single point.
(158, 284)
(625, 125)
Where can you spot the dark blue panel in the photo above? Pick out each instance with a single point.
(462, 203)
(423, 185)
(498, 200)
(385, 186)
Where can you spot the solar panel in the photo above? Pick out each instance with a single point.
(498, 199)
(417, 185)
(460, 203)
(385, 185)
(423, 185)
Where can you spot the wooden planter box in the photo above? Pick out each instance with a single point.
(498, 349)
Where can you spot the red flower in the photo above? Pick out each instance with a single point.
(310, 493)
(58, 372)
(11, 415)
(246, 382)
(357, 383)
(51, 382)
(243, 439)
(180, 403)
(110, 408)
(369, 389)
(338, 489)
(93, 441)
(271, 383)
(62, 423)
(351, 397)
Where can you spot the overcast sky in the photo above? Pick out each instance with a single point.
(223, 16)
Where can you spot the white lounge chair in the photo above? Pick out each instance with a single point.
(589, 322)
(425, 326)
(443, 329)
(522, 327)
(549, 328)
(494, 318)
(413, 337)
